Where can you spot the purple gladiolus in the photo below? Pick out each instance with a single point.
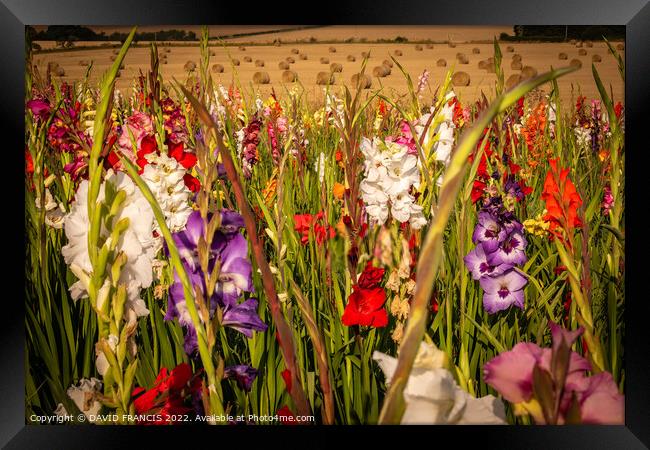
(477, 263)
(243, 317)
(511, 251)
(244, 374)
(502, 291)
(229, 249)
(488, 231)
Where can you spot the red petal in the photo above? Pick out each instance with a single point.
(191, 182)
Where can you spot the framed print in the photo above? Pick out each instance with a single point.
(342, 220)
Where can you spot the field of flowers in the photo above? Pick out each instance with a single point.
(196, 253)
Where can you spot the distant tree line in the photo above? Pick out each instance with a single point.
(566, 32)
(68, 34)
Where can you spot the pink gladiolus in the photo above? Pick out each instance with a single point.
(511, 374)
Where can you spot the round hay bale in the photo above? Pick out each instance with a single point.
(388, 63)
(259, 63)
(490, 68)
(283, 65)
(303, 56)
(113, 58)
(248, 59)
(295, 51)
(460, 79)
(516, 57)
(290, 60)
(217, 68)
(83, 62)
(572, 42)
(576, 63)
(115, 52)
(563, 56)
(361, 82)
(380, 71)
(528, 72)
(213, 53)
(476, 50)
(451, 44)
(277, 42)
(388, 69)
(261, 78)
(325, 78)
(589, 44)
(336, 67)
(516, 65)
(620, 46)
(596, 58)
(510, 49)
(332, 49)
(441, 63)
(190, 66)
(462, 59)
(289, 76)
(235, 62)
(59, 72)
(513, 80)
(242, 48)
(324, 60)
(482, 64)
(398, 53)
(582, 52)
(168, 50)
(351, 58)
(429, 46)
(418, 48)
(578, 44)
(164, 61)
(367, 54)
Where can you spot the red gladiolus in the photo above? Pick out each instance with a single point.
(191, 182)
(167, 398)
(148, 145)
(366, 307)
(29, 162)
(286, 376)
(185, 159)
(371, 276)
(477, 190)
(562, 200)
(303, 223)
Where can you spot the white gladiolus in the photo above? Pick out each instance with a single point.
(164, 176)
(101, 362)
(54, 213)
(319, 167)
(85, 397)
(433, 397)
(137, 242)
(390, 172)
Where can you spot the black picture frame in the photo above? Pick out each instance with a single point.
(634, 14)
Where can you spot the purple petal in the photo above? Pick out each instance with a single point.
(243, 317)
(244, 374)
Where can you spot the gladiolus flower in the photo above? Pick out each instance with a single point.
(168, 396)
(432, 396)
(338, 190)
(366, 307)
(562, 200)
